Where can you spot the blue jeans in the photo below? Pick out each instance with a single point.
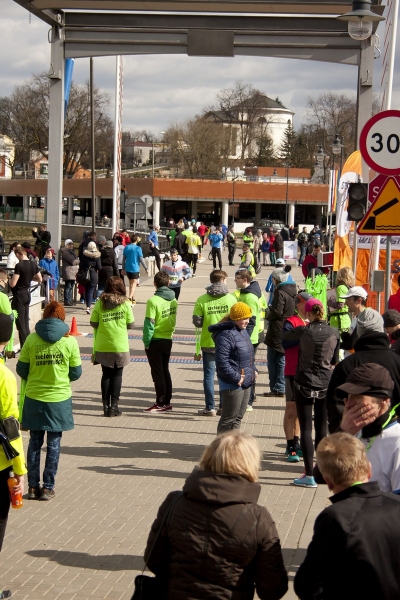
(303, 250)
(52, 457)
(276, 367)
(208, 381)
(69, 286)
(90, 294)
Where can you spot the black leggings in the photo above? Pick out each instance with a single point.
(304, 407)
(20, 303)
(156, 255)
(111, 382)
(193, 261)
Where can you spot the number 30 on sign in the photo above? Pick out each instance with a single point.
(380, 142)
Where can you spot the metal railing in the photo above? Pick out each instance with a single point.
(32, 215)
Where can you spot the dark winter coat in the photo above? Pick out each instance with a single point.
(109, 265)
(278, 242)
(219, 542)
(70, 264)
(396, 341)
(91, 260)
(179, 244)
(369, 348)
(285, 234)
(233, 353)
(282, 307)
(319, 352)
(355, 552)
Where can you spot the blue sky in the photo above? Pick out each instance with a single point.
(160, 90)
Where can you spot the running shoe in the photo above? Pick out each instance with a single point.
(292, 455)
(307, 481)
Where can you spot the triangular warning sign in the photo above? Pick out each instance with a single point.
(383, 216)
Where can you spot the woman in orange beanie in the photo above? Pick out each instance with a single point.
(234, 362)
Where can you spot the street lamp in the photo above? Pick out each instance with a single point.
(360, 19)
(337, 149)
(287, 192)
(236, 170)
(320, 161)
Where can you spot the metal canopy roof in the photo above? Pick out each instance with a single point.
(286, 29)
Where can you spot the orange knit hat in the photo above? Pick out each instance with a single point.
(240, 311)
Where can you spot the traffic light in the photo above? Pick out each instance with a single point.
(357, 205)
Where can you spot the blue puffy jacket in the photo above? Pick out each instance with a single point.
(233, 352)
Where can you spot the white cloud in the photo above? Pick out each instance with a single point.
(160, 89)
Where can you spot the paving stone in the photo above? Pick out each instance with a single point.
(88, 541)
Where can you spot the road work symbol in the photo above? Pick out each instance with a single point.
(383, 216)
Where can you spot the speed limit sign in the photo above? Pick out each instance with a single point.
(380, 142)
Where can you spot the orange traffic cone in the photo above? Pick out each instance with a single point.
(74, 327)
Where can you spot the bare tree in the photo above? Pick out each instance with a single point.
(327, 115)
(242, 106)
(195, 146)
(137, 135)
(27, 115)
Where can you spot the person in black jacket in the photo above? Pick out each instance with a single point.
(355, 552)
(282, 308)
(371, 347)
(319, 352)
(43, 239)
(218, 542)
(109, 265)
(180, 241)
(90, 260)
(234, 362)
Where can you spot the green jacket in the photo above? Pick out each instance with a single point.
(160, 319)
(209, 309)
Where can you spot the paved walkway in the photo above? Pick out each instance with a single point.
(88, 542)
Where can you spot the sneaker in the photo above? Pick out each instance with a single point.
(292, 455)
(88, 311)
(47, 494)
(305, 481)
(82, 301)
(5, 593)
(299, 451)
(249, 408)
(153, 408)
(219, 412)
(207, 413)
(165, 408)
(34, 493)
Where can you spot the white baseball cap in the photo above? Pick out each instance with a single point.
(68, 242)
(280, 261)
(357, 291)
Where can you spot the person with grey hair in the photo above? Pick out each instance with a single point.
(369, 320)
(69, 270)
(282, 308)
(258, 240)
(101, 242)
